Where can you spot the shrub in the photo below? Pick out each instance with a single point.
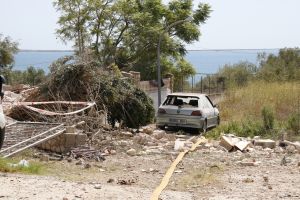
(87, 81)
(268, 117)
(294, 123)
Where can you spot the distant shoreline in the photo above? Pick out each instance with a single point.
(32, 50)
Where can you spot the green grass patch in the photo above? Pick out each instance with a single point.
(260, 108)
(12, 166)
(200, 176)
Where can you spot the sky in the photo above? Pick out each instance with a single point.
(234, 24)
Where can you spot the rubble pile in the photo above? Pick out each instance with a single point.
(232, 143)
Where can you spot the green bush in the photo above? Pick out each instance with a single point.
(246, 128)
(87, 81)
(293, 123)
(268, 117)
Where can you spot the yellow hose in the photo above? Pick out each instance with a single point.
(169, 173)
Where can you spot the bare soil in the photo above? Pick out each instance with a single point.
(208, 173)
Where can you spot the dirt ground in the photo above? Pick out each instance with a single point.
(208, 173)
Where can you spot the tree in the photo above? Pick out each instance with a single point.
(282, 67)
(73, 22)
(7, 50)
(126, 32)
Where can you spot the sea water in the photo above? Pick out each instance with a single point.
(204, 61)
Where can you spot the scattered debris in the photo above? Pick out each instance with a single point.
(126, 182)
(86, 153)
(111, 180)
(131, 152)
(266, 143)
(232, 143)
(248, 180)
(97, 186)
(22, 163)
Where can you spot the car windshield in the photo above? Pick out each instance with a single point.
(182, 101)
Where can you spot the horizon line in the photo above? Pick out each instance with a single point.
(221, 49)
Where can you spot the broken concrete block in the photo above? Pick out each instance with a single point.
(127, 134)
(242, 145)
(295, 144)
(267, 143)
(158, 134)
(80, 139)
(70, 129)
(148, 130)
(247, 163)
(228, 142)
(290, 149)
(70, 139)
(179, 145)
(131, 152)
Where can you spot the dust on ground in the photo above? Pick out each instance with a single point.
(211, 172)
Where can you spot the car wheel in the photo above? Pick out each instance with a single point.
(204, 127)
(2, 134)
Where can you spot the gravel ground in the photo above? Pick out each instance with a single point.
(208, 173)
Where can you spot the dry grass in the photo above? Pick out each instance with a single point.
(248, 102)
(200, 176)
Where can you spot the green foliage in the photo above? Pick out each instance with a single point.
(7, 165)
(7, 50)
(237, 74)
(31, 76)
(125, 102)
(244, 128)
(284, 67)
(293, 123)
(268, 117)
(126, 32)
(86, 81)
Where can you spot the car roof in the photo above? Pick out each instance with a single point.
(186, 94)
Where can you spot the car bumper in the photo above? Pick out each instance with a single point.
(180, 121)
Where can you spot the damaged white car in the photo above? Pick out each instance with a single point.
(188, 110)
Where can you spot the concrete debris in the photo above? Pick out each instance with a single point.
(126, 182)
(97, 186)
(131, 152)
(148, 130)
(179, 145)
(22, 163)
(249, 163)
(288, 143)
(159, 134)
(44, 158)
(87, 166)
(86, 153)
(127, 134)
(265, 143)
(242, 145)
(232, 143)
(290, 149)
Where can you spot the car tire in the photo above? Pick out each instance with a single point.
(204, 127)
(218, 121)
(2, 134)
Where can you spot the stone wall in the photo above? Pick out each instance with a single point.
(64, 142)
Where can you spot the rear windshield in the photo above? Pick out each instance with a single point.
(183, 101)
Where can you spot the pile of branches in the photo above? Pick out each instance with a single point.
(73, 80)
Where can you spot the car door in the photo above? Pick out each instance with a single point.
(214, 112)
(207, 110)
